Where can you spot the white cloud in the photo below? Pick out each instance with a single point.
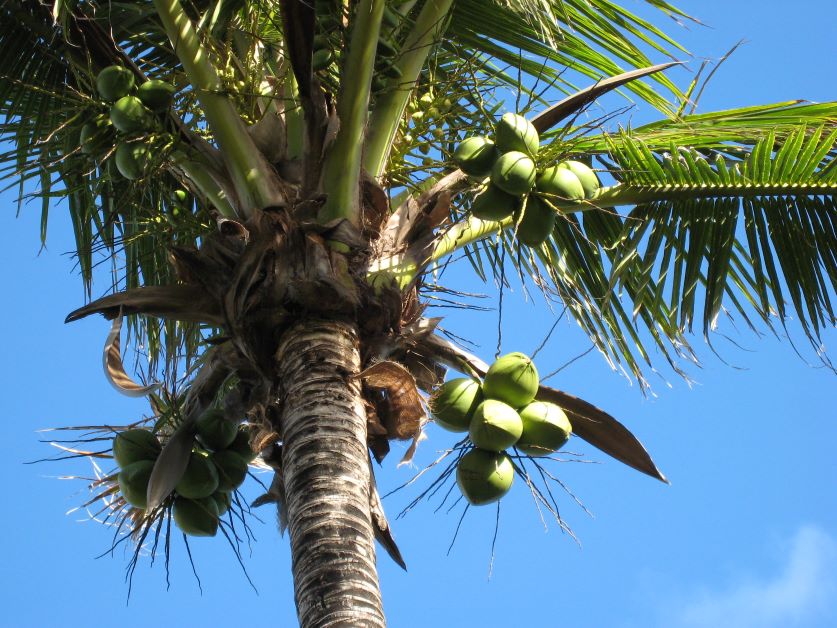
(802, 591)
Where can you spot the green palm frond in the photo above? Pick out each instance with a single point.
(717, 129)
(584, 37)
(755, 228)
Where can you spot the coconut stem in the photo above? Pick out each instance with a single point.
(341, 170)
(248, 169)
(203, 180)
(389, 109)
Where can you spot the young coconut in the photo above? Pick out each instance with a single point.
(223, 501)
(475, 156)
(96, 135)
(514, 172)
(454, 402)
(232, 469)
(537, 222)
(133, 482)
(196, 517)
(215, 431)
(495, 426)
(241, 445)
(133, 159)
(200, 478)
(513, 379)
(134, 445)
(588, 179)
(129, 115)
(114, 82)
(545, 429)
(560, 182)
(156, 94)
(513, 132)
(484, 476)
(493, 204)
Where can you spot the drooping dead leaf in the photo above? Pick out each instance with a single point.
(404, 412)
(115, 370)
(383, 533)
(170, 465)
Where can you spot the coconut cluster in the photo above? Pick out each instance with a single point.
(516, 185)
(217, 466)
(498, 413)
(134, 113)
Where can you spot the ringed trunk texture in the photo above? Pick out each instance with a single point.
(325, 468)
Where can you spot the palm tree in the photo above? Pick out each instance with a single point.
(274, 227)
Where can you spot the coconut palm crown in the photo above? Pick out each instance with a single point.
(272, 185)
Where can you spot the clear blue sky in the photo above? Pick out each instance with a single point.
(746, 535)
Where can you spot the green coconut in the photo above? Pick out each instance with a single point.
(241, 445)
(232, 469)
(133, 159)
(560, 182)
(514, 172)
(95, 136)
(196, 517)
(513, 379)
(493, 204)
(589, 180)
(223, 501)
(114, 82)
(453, 404)
(135, 445)
(181, 196)
(484, 476)
(495, 426)
(321, 60)
(475, 156)
(513, 132)
(200, 478)
(545, 429)
(129, 115)
(156, 94)
(537, 222)
(214, 431)
(133, 482)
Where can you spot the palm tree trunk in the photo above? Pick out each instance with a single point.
(326, 476)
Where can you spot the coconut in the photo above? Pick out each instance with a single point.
(134, 445)
(196, 517)
(133, 159)
(133, 482)
(514, 172)
(232, 469)
(513, 132)
(156, 94)
(223, 501)
(129, 115)
(114, 82)
(484, 476)
(589, 180)
(475, 156)
(214, 430)
(241, 445)
(545, 429)
(513, 379)
(495, 426)
(537, 222)
(321, 60)
(95, 135)
(560, 182)
(200, 478)
(493, 204)
(454, 402)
